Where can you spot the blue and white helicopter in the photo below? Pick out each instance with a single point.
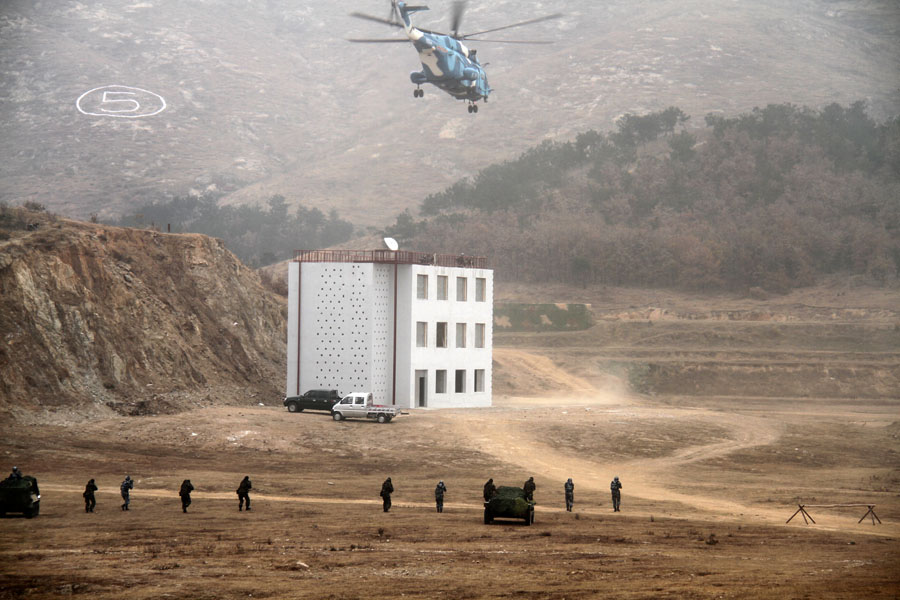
(446, 61)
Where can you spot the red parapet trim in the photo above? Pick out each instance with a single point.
(403, 257)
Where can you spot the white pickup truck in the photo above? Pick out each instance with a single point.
(359, 405)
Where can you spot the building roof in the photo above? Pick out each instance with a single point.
(402, 257)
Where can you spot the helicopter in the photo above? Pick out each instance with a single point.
(446, 61)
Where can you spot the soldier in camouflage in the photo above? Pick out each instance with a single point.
(89, 501)
(439, 496)
(570, 494)
(489, 490)
(185, 492)
(529, 488)
(387, 488)
(614, 486)
(243, 493)
(125, 489)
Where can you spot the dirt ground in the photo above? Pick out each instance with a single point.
(710, 473)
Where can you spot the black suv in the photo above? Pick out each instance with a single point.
(313, 400)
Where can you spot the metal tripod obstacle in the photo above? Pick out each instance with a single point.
(871, 511)
(807, 518)
(802, 511)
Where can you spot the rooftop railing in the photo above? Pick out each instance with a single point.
(403, 257)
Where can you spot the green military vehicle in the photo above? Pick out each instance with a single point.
(20, 495)
(509, 503)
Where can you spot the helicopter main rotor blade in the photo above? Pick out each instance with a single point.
(378, 41)
(529, 22)
(459, 7)
(396, 24)
(479, 40)
(385, 41)
(381, 20)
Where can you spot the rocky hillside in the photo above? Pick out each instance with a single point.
(96, 319)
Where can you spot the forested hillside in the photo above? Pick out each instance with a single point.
(768, 199)
(257, 236)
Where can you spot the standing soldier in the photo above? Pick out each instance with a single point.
(124, 489)
(439, 496)
(529, 488)
(16, 474)
(89, 501)
(387, 488)
(570, 494)
(614, 486)
(489, 490)
(243, 493)
(185, 493)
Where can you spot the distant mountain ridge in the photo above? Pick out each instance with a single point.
(266, 98)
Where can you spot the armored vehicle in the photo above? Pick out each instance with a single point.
(313, 400)
(509, 503)
(20, 496)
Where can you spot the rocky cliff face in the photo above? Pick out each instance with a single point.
(95, 319)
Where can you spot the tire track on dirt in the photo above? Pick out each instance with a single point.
(541, 367)
(646, 478)
(651, 479)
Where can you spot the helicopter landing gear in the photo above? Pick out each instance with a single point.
(418, 93)
(473, 108)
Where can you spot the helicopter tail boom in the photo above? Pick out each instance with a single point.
(403, 9)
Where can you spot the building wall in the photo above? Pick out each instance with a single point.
(432, 358)
(345, 327)
(381, 357)
(346, 332)
(292, 386)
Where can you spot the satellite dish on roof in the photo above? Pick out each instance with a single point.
(391, 244)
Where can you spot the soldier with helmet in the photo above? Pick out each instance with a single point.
(570, 494)
(439, 495)
(185, 492)
(529, 488)
(387, 488)
(489, 490)
(614, 486)
(89, 501)
(243, 493)
(125, 489)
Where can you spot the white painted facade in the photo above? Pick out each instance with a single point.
(341, 332)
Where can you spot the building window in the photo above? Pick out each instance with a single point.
(479, 380)
(461, 290)
(460, 335)
(480, 283)
(479, 335)
(460, 381)
(440, 337)
(421, 334)
(422, 287)
(440, 381)
(442, 287)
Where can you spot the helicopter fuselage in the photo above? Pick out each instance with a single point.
(446, 63)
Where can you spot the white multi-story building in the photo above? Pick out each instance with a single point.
(415, 329)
